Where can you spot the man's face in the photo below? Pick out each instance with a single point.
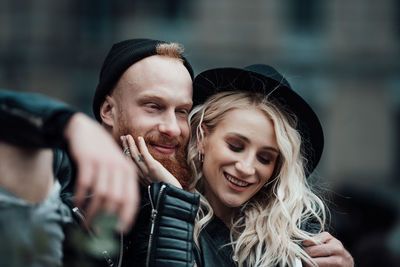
(152, 99)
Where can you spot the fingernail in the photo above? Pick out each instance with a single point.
(120, 226)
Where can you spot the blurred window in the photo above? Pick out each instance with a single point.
(304, 16)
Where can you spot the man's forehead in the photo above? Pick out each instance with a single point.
(155, 63)
(159, 75)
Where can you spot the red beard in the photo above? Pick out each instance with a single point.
(175, 164)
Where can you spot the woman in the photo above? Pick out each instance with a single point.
(253, 143)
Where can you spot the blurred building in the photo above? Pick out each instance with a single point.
(340, 55)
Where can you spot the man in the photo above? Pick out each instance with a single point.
(32, 215)
(160, 115)
(145, 89)
(151, 97)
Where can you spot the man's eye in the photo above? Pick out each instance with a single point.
(153, 106)
(183, 111)
(235, 148)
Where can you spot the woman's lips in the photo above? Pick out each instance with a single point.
(236, 184)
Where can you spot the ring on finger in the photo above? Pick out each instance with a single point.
(140, 158)
(127, 151)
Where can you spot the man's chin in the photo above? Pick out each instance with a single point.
(168, 161)
(177, 167)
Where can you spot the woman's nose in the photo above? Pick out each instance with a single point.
(245, 166)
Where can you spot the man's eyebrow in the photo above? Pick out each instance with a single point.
(155, 98)
(244, 138)
(187, 105)
(150, 97)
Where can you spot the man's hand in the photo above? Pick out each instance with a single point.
(330, 253)
(103, 171)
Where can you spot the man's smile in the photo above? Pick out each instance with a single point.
(163, 148)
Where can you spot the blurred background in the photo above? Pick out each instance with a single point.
(342, 56)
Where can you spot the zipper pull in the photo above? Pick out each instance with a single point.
(153, 220)
(83, 221)
(153, 214)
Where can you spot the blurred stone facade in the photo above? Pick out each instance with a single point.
(341, 56)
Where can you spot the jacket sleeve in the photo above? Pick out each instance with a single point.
(65, 172)
(33, 120)
(172, 223)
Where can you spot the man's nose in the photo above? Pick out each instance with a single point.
(169, 125)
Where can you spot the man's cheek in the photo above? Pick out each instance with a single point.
(185, 138)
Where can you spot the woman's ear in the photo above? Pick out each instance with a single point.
(205, 130)
(107, 111)
(201, 143)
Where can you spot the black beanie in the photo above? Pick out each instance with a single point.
(121, 56)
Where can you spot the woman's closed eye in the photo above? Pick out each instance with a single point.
(264, 160)
(267, 157)
(235, 147)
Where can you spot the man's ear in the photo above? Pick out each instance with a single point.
(107, 111)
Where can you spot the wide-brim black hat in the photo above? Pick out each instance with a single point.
(266, 80)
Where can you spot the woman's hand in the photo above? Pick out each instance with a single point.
(151, 170)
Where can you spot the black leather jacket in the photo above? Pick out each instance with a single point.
(163, 235)
(167, 238)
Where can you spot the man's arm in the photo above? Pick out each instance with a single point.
(32, 121)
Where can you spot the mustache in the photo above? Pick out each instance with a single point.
(160, 139)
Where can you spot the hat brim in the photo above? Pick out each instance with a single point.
(218, 80)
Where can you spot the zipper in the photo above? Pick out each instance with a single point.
(153, 216)
(105, 254)
(81, 217)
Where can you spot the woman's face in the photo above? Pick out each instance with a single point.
(239, 158)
